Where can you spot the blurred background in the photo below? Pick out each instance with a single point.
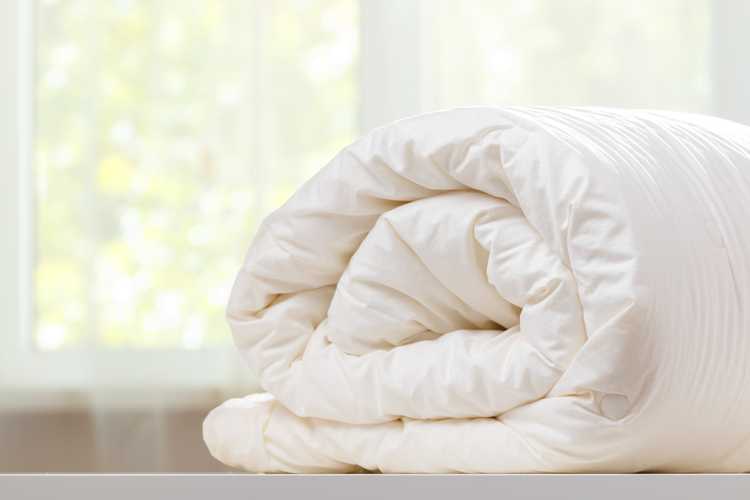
(142, 141)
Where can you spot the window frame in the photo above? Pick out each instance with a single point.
(391, 79)
(730, 78)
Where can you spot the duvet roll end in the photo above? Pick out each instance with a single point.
(233, 432)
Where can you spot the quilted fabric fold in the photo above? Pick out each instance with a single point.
(503, 290)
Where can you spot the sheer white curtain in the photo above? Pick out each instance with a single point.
(144, 141)
(667, 54)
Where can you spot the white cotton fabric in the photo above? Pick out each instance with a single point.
(503, 290)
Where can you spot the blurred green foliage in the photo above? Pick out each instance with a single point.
(165, 131)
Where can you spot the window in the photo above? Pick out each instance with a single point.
(141, 150)
(164, 133)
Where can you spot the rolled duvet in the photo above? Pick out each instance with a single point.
(503, 290)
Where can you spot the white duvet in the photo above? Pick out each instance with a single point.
(503, 290)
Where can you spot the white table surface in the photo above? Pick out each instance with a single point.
(376, 486)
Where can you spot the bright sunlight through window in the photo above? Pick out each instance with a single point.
(164, 133)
